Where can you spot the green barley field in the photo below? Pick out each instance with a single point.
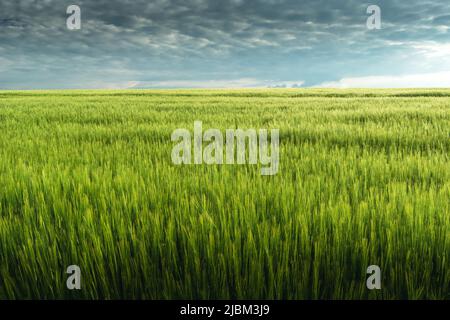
(86, 178)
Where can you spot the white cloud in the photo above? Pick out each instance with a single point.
(432, 49)
(425, 80)
(110, 85)
(236, 83)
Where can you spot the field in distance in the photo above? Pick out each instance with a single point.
(86, 178)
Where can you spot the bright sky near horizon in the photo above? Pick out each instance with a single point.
(224, 43)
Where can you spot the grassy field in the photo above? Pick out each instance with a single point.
(86, 178)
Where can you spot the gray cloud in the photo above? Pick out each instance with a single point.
(196, 40)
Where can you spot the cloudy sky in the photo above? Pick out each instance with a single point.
(224, 43)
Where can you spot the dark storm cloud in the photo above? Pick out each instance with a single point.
(162, 40)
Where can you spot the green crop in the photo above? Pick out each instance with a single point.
(86, 179)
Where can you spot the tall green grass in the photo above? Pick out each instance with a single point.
(86, 178)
